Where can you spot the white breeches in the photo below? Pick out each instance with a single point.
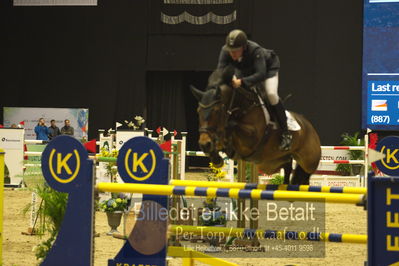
(271, 86)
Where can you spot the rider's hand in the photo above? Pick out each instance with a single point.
(236, 82)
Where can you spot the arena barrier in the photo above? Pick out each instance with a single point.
(66, 168)
(347, 180)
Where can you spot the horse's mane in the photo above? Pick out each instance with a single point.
(221, 76)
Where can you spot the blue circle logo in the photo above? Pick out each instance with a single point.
(64, 163)
(390, 147)
(140, 161)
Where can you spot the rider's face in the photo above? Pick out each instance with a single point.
(236, 54)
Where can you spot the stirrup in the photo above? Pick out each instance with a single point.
(286, 141)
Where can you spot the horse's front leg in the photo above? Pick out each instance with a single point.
(287, 172)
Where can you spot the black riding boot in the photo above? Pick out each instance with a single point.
(286, 137)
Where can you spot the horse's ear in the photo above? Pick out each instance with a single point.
(197, 93)
(228, 73)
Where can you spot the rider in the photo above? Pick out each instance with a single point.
(257, 65)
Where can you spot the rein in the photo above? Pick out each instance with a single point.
(236, 109)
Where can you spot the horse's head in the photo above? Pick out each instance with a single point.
(212, 111)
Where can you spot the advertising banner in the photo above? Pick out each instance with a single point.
(79, 118)
(12, 142)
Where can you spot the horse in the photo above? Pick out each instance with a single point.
(232, 120)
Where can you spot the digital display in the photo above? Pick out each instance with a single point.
(381, 65)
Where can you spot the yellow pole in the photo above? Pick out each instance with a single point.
(1, 202)
(190, 256)
(242, 185)
(234, 193)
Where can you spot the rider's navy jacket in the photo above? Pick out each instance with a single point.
(256, 64)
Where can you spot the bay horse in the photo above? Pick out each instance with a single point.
(232, 120)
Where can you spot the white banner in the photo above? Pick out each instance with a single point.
(123, 136)
(79, 118)
(11, 138)
(12, 141)
(332, 155)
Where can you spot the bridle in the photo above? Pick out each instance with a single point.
(216, 135)
(213, 130)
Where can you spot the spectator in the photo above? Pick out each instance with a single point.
(67, 129)
(41, 130)
(53, 129)
(14, 126)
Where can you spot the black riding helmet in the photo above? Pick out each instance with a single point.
(235, 40)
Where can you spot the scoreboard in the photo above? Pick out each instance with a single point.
(380, 76)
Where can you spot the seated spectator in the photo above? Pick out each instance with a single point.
(41, 130)
(67, 129)
(53, 129)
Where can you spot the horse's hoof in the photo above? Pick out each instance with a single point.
(217, 161)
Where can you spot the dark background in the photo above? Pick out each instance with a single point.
(119, 60)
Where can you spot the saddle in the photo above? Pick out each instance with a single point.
(255, 97)
(258, 94)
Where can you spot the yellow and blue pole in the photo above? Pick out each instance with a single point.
(2, 153)
(232, 193)
(268, 234)
(190, 256)
(241, 185)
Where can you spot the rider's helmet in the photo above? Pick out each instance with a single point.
(235, 40)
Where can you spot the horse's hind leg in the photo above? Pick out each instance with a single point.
(287, 172)
(300, 176)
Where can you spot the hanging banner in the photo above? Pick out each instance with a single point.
(55, 2)
(12, 142)
(199, 16)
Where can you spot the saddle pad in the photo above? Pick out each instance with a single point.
(292, 123)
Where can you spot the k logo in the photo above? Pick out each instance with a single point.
(64, 163)
(390, 164)
(141, 160)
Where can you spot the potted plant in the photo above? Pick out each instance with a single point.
(277, 180)
(351, 140)
(211, 214)
(114, 208)
(110, 167)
